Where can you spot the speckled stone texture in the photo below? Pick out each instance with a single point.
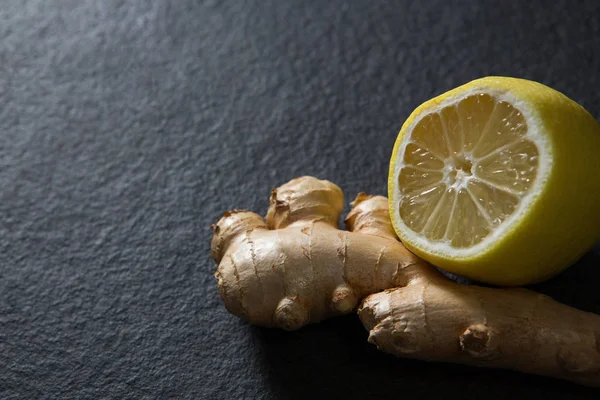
(128, 127)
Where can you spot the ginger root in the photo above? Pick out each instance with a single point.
(436, 319)
(298, 267)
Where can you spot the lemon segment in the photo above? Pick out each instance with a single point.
(498, 180)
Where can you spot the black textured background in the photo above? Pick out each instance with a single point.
(128, 127)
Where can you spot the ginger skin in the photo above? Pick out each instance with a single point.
(440, 320)
(298, 267)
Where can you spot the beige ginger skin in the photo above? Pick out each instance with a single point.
(436, 319)
(299, 268)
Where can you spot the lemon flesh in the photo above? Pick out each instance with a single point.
(498, 180)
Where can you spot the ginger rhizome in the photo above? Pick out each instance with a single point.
(437, 319)
(299, 268)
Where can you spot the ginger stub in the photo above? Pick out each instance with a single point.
(299, 268)
(437, 319)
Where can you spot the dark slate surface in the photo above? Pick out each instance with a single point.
(127, 127)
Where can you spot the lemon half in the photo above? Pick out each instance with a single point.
(498, 180)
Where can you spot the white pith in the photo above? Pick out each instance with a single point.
(534, 133)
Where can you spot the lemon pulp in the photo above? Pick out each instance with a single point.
(465, 169)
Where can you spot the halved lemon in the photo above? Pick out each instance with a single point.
(498, 180)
